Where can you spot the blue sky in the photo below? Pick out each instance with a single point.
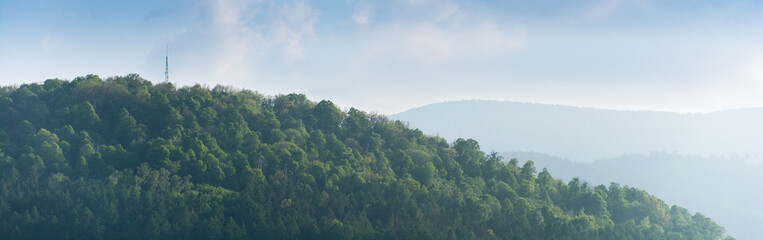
(388, 56)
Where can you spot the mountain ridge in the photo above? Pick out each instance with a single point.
(477, 100)
(580, 133)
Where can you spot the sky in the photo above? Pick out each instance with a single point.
(390, 56)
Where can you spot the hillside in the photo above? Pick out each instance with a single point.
(725, 189)
(588, 134)
(122, 158)
(718, 150)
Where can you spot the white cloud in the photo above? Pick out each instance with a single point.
(754, 71)
(361, 16)
(754, 68)
(46, 42)
(286, 30)
(233, 36)
(602, 9)
(49, 43)
(294, 24)
(433, 47)
(441, 31)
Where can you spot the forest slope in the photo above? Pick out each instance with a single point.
(122, 158)
(725, 189)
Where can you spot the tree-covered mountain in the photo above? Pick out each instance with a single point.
(122, 158)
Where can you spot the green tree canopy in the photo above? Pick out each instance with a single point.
(122, 158)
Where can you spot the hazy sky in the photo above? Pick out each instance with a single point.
(388, 56)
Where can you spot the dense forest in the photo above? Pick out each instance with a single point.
(122, 158)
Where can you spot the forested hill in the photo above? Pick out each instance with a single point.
(122, 158)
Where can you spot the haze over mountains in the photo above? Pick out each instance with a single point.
(587, 134)
(725, 189)
(709, 162)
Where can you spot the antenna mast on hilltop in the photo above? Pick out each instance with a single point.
(167, 64)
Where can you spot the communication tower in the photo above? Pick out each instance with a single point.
(167, 64)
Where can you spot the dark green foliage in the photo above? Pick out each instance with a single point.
(124, 159)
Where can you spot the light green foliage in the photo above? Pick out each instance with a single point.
(122, 158)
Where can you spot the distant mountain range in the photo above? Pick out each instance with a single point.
(587, 134)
